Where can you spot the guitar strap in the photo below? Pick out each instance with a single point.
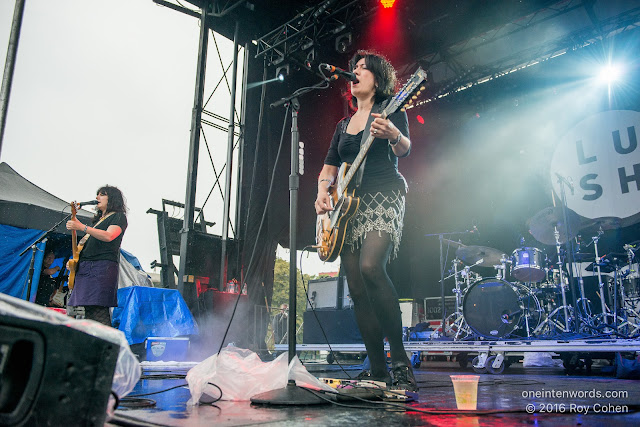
(86, 236)
(365, 134)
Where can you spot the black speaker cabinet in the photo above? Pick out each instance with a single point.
(53, 374)
(339, 326)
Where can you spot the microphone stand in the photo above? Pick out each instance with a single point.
(34, 248)
(442, 267)
(291, 394)
(569, 245)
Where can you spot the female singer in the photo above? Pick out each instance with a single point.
(96, 282)
(374, 232)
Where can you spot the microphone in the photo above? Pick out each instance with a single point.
(90, 202)
(340, 72)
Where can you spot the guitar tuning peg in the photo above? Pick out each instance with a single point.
(404, 110)
(418, 93)
(422, 87)
(414, 97)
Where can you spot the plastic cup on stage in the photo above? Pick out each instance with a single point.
(466, 390)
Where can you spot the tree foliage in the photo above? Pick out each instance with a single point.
(281, 289)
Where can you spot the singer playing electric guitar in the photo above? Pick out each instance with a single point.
(370, 218)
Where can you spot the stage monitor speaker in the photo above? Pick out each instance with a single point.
(53, 374)
(339, 326)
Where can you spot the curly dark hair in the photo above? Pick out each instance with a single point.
(383, 72)
(116, 203)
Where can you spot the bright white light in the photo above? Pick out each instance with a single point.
(610, 73)
(281, 77)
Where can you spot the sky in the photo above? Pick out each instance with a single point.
(102, 94)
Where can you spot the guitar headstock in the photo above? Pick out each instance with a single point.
(74, 208)
(409, 92)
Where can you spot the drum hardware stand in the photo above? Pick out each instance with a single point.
(625, 310)
(605, 310)
(566, 308)
(562, 181)
(502, 268)
(442, 267)
(455, 320)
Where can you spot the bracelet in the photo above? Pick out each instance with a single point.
(396, 140)
(85, 228)
(325, 179)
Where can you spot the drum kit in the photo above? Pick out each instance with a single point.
(545, 295)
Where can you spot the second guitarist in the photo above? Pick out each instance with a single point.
(373, 233)
(96, 279)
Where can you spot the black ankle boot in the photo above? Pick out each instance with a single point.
(403, 378)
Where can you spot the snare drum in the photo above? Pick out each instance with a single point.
(527, 265)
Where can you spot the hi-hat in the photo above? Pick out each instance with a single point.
(543, 225)
(472, 254)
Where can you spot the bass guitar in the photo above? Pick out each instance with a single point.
(331, 226)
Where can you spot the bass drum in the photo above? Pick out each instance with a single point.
(494, 308)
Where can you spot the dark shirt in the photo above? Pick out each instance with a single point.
(381, 165)
(97, 250)
(46, 286)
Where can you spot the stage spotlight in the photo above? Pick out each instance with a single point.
(282, 72)
(343, 42)
(610, 73)
(387, 4)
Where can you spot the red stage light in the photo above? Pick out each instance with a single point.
(387, 3)
(420, 119)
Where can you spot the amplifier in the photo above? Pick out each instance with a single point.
(329, 293)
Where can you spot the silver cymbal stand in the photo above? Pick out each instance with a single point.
(563, 286)
(605, 310)
(455, 320)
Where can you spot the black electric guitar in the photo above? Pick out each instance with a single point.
(331, 226)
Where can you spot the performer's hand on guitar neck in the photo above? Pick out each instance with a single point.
(74, 224)
(383, 128)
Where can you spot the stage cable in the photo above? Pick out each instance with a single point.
(264, 215)
(313, 310)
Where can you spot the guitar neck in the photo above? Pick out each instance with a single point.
(74, 235)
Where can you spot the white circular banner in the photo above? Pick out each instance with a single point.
(600, 158)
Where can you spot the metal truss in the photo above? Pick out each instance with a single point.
(448, 61)
(310, 27)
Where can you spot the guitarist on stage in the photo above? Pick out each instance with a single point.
(373, 234)
(96, 278)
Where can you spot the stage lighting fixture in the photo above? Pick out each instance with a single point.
(387, 3)
(282, 72)
(343, 42)
(610, 73)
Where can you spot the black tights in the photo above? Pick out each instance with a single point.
(375, 300)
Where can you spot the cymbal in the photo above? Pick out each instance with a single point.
(605, 222)
(542, 225)
(472, 254)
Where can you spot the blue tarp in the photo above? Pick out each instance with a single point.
(14, 269)
(144, 312)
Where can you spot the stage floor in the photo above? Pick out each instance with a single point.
(618, 404)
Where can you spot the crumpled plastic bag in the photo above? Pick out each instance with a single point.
(241, 374)
(540, 359)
